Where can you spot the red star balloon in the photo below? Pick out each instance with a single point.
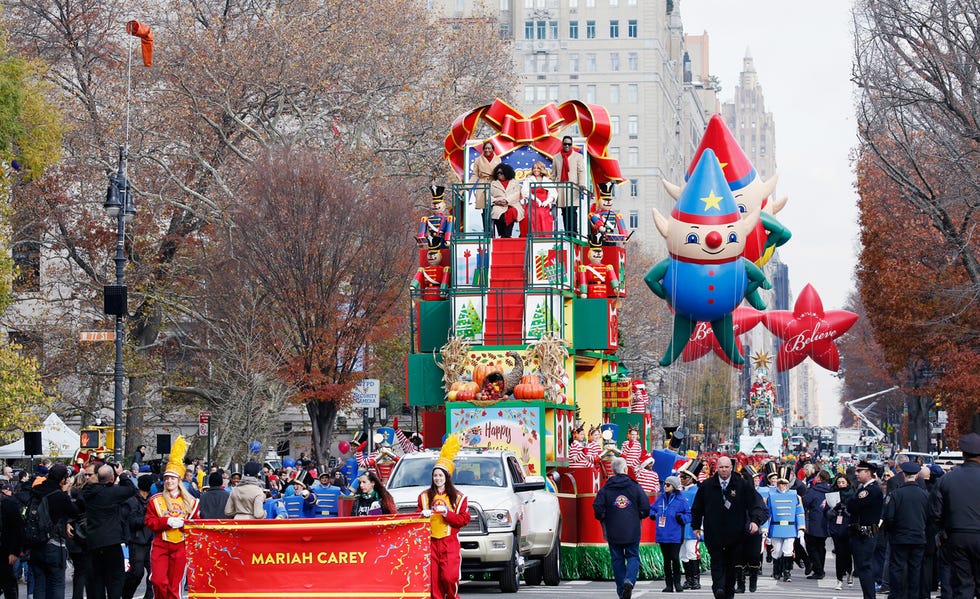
(744, 319)
(808, 331)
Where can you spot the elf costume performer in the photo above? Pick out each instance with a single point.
(448, 511)
(166, 514)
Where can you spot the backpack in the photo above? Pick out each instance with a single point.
(38, 526)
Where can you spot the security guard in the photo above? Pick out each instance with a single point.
(954, 505)
(865, 510)
(904, 520)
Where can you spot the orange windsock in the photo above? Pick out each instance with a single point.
(143, 32)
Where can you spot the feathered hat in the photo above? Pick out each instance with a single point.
(175, 465)
(437, 191)
(449, 450)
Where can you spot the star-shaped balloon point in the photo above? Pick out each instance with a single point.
(703, 340)
(808, 331)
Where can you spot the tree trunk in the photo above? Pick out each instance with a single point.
(918, 407)
(322, 414)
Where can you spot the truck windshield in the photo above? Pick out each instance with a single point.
(483, 471)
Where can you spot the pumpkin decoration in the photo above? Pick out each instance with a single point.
(480, 372)
(529, 391)
(464, 386)
(531, 379)
(465, 395)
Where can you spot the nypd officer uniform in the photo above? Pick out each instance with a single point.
(955, 507)
(865, 510)
(904, 520)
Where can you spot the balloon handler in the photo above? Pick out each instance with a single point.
(448, 511)
(705, 277)
(166, 514)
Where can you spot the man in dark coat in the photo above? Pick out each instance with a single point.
(49, 560)
(726, 509)
(11, 539)
(865, 510)
(622, 506)
(214, 498)
(954, 506)
(904, 520)
(140, 540)
(107, 529)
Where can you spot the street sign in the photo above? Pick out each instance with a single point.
(942, 417)
(202, 429)
(367, 394)
(204, 422)
(97, 336)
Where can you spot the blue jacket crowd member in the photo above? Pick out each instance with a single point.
(816, 524)
(726, 510)
(955, 507)
(865, 510)
(671, 513)
(904, 521)
(690, 547)
(621, 506)
(787, 521)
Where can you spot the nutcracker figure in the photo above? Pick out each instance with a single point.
(432, 280)
(604, 222)
(436, 229)
(595, 279)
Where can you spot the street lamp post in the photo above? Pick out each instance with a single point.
(119, 205)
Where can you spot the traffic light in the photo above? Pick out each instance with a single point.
(700, 427)
(740, 413)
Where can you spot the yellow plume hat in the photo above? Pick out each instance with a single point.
(175, 465)
(449, 450)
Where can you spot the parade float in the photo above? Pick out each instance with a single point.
(514, 340)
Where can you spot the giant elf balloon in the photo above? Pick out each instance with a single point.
(702, 341)
(748, 188)
(808, 331)
(705, 276)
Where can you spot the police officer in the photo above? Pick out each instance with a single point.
(865, 510)
(955, 507)
(904, 520)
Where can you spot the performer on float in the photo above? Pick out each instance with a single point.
(578, 456)
(690, 548)
(432, 280)
(604, 222)
(640, 462)
(436, 229)
(609, 448)
(408, 445)
(595, 279)
(166, 514)
(385, 459)
(787, 521)
(448, 511)
(594, 447)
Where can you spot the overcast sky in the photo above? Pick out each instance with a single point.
(802, 53)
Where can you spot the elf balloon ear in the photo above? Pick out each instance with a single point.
(663, 224)
(673, 191)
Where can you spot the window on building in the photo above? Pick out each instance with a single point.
(573, 30)
(552, 30)
(529, 63)
(529, 93)
(573, 63)
(529, 30)
(553, 93)
(632, 28)
(589, 3)
(573, 92)
(614, 61)
(539, 63)
(541, 29)
(631, 2)
(634, 219)
(634, 188)
(542, 93)
(590, 64)
(505, 31)
(590, 94)
(613, 2)
(590, 30)
(552, 63)
(632, 93)
(633, 156)
(633, 61)
(614, 93)
(633, 126)
(614, 152)
(614, 125)
(572, 3)
(504, 4)
(26, 254)
(614, 28)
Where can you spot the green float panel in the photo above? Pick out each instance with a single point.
(624, 420)
(424, 381)
(590, 324)
(434, 321)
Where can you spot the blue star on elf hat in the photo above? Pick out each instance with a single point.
(706, 199)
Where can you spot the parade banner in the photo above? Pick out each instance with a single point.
(370, 557)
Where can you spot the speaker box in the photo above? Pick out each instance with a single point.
(32, 443)
(163, 444)
(114, 300)
(282, 448)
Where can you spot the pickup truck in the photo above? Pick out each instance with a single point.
(515, 525)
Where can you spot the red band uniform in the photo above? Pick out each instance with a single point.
(445, 519)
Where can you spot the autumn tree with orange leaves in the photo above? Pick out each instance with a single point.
(919, 183)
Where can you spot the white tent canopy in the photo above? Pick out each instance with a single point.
(57, 441)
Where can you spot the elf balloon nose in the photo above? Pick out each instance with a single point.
(713, 240)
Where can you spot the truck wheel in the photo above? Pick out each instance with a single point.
(510, 578)
(551, 567)
(532, 575)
